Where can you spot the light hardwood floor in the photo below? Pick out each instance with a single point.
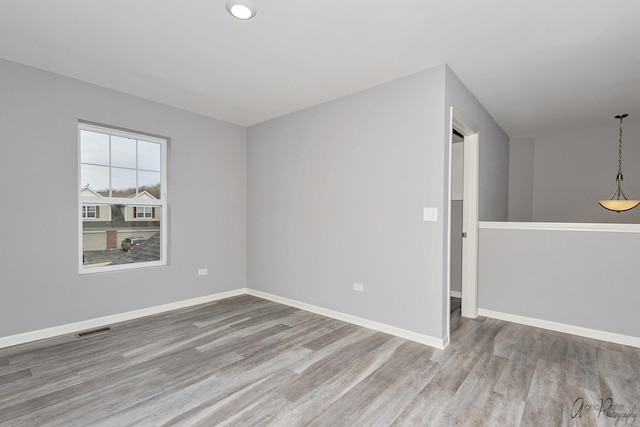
(247, 361)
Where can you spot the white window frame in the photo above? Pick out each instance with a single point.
(146, 209)
(86, 212)
(162, 202)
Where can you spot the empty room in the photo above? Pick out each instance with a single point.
(280, 213)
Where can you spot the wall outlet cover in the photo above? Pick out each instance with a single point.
(430, 214)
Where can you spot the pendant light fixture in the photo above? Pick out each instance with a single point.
(619, 202)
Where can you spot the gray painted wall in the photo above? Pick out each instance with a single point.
(493, 193)
(336, 196)
(521, 157)
(583, 281)
(41, 287)
(573, 170)
(560, 177)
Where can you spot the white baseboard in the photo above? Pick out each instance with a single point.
(73, 328)
(439, 343)
(455, 294)
(562, 327)
(376, 326)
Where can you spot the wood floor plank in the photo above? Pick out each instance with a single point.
(471, 398)
(582, 365)
(384, 392)
(247, 361)
(15, 376)
(547, 400)
(315, 401)
(94, 404)
(427, 408)
(252, 403)
(500, 411)
(328, 368)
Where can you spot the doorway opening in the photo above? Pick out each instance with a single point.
(462, 259)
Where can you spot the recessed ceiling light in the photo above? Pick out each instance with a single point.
(241, 9)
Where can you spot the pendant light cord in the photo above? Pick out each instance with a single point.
(620, 151)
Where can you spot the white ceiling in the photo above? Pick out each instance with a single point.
(538, 66)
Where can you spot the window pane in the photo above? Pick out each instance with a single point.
(123, 182)
(117, 237)
(150, 182)
(94, 148)
(89, 211)
(149, 156)
(94, 179)
(123, 152)
(145, 211)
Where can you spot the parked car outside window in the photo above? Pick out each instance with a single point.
(131, 242)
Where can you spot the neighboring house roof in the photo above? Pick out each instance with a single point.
(144, 252)
(89, 192)
(143, 195)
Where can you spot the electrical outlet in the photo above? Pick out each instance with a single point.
(203, 272)
(359, 287)
(430, 214)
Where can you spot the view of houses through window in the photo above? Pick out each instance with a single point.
(121, 199)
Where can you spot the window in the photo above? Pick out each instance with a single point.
(89, 211)
(143, 212)
(122, 198)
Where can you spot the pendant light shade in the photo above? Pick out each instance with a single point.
(619, 205)
(619, 202)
